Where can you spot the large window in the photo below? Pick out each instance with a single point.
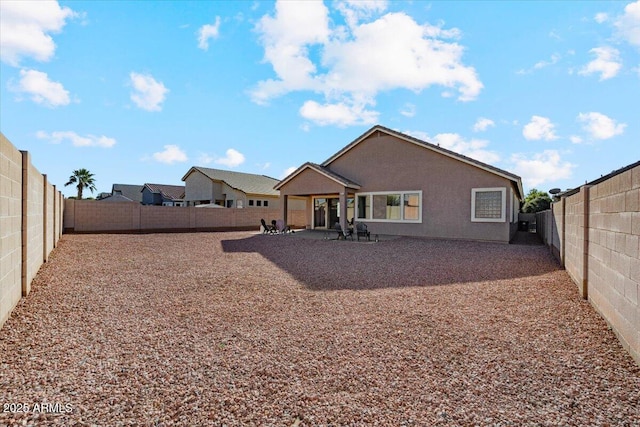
(400, 206)
(488, 204)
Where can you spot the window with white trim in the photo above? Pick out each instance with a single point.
(389, 206)
(488, 204)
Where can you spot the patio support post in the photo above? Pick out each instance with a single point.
(284, 201)
(343, 209)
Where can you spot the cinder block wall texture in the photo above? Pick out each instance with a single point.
(88, 216)
(600, 249)
(30, 224)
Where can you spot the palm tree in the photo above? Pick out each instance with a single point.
(84, 179)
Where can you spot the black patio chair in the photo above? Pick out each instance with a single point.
(267, 229)
(361, 230)
(343, 234)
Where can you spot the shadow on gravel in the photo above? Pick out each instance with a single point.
(335, 265)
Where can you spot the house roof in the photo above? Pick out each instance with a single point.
(321, 170)
(248, 183)
(116, 198)
(473, 162)
(132, 192)
(172, 192)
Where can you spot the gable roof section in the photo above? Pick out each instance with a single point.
(115, 198)
(248, 183)
(378, 128)
(171, 192)
(132, 192)
(322, 171)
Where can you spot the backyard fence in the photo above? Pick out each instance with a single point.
(31, 211)
(594, 231)
(89, 216)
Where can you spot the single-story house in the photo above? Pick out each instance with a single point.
(229, 189)
(163, 195)
(124, 193)
(401, 185)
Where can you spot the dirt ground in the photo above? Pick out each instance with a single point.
(241, 329)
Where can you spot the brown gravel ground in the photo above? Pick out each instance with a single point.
(244, 329)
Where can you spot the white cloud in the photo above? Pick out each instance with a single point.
(77, 140)
(601, 17)
(288, 171)
(409, 110)
(207, 32)
(539, 128)
(232, 159)
(339, 114)
(541, 167)
(148, 93)
(171, 154)
(600, 126)
(26, 28)
(41, 89)
(607, 63)
(628, 25)
(475, 148)
(575, 139)
(483, 124)
(359, 60)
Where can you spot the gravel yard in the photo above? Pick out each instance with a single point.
(241, 329)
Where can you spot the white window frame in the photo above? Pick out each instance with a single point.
(388, 193)
(503, 202)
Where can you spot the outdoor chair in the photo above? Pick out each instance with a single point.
(267, 229)
(361, 230)
(282, 228)
(343, 234)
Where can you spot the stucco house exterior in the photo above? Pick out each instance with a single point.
(400, 185)
(163, 195)
(229, 188)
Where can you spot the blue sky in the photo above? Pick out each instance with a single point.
(141, 91)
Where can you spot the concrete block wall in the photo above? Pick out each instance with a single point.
(30, 224)
(613, 256)
(88, 216)
(10, 227)
(599, 245)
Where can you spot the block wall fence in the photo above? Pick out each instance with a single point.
(594, 231)
(31, 212)
(88, 216)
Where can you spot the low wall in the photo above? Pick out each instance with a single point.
(88, 216)
(595, 233)
(30, 224)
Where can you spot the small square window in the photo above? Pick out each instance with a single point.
(258, 202)
(488, 204)
(266, 203)
(250, 202)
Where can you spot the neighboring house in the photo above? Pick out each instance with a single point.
(163, 195)
(133, 192)
(116, 198)
(229, 189)
(400, 185)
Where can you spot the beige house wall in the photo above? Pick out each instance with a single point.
(28, 218)
(385, 163)
(88, 216)
(595, 233)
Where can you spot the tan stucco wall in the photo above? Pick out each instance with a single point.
(28, 220)
(385, 163)
(198, 187)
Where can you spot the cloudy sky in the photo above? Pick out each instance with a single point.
(141, 91)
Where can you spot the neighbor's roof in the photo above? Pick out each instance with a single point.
(133, 192)
(473, 162)
(172, 192)
(115, 198)
(248, 183)
(321, 170)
